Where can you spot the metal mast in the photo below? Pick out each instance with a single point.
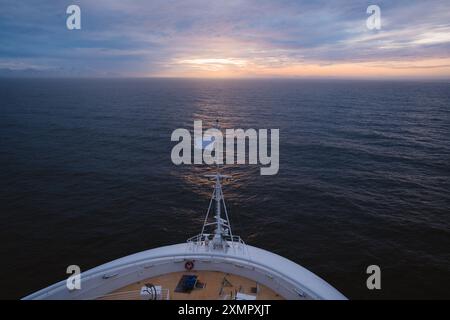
(222, 229)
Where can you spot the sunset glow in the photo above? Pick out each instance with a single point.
(227, 39)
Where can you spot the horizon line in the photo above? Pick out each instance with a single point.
(406, 79)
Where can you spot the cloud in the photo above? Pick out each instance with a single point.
(222, 38)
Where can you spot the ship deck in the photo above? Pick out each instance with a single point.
(211, 285)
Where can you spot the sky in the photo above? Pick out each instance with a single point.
(229, 38)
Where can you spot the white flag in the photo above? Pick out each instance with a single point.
(205, 143)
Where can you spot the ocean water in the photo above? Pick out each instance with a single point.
(86, 176)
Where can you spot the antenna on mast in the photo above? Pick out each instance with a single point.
(221, 237)
(223, 228)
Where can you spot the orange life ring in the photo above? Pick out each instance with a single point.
(189, 265)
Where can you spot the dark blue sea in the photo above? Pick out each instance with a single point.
(86, 176)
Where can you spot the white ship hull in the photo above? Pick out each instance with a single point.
(286, 278)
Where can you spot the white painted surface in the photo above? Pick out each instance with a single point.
(243, 296)
(285, 277)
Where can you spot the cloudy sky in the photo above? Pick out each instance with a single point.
(229, 38)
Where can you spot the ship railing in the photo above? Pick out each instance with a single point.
(206, 239)
(164, 294)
